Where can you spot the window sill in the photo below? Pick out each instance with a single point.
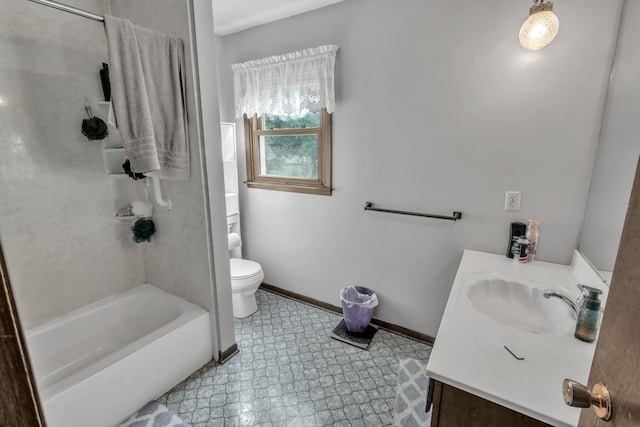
(293, 188)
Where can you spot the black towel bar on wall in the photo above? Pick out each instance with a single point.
(456, 215)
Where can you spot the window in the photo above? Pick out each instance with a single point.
(289, 152)
(286, 101)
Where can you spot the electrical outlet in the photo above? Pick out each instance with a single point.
(512, 201)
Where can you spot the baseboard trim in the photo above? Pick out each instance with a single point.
(400, 330)
(224, 356)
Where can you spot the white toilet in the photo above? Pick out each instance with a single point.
(246, 276)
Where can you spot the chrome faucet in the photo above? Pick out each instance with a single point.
(570, 302)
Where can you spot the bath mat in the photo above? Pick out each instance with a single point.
(411, 395)
(361, 340)
(154, 414)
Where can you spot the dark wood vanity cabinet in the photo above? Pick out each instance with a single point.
(453, 407)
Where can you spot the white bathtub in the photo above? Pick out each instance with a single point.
(99, 364)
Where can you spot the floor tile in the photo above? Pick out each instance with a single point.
(289, 372)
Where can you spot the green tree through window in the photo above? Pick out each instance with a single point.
(289, 153)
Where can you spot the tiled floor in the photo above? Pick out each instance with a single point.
(290, 373)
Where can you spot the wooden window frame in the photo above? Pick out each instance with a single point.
(320, 185)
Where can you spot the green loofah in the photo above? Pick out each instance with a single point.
(143, 229)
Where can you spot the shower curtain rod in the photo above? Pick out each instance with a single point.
(70, 9)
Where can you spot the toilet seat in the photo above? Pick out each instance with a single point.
(244, 268)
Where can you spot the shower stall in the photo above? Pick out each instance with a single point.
(63, 247)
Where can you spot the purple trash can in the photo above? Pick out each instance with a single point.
(357, 307)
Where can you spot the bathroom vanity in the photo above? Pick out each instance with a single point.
(503, 350)
(455, 407)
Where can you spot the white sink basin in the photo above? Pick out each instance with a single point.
(520, 306)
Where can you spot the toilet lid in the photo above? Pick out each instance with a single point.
(243, 268)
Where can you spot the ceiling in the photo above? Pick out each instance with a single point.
(230, 16)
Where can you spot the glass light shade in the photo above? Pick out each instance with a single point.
(539, 30)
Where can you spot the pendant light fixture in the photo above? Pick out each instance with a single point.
(541, 27)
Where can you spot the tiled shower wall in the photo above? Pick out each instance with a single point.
(63, 248)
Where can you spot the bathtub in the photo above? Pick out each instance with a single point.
(98, 365)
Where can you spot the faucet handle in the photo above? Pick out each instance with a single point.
(583, 294)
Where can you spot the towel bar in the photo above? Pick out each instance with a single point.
(456, 215)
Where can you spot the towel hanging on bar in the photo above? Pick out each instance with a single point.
(147, 88)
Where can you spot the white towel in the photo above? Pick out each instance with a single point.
(148, 91)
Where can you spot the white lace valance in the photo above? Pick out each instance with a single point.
(286, 84)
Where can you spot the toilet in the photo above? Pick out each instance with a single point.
(246, 276)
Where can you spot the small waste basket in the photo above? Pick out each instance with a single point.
(357, 307)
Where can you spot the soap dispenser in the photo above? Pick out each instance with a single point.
(588, 313)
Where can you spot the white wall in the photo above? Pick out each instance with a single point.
(63, 248)
(438, 109)
(618, 151)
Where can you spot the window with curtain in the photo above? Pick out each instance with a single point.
(287, 103)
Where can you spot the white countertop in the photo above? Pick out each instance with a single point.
(469, 350)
